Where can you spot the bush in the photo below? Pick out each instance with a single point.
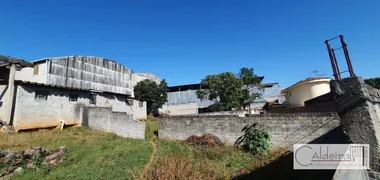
(374, 82)
(255, 139)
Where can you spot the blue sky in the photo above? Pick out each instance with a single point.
(184, 40)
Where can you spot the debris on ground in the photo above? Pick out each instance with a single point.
(13, 162)
(209, 140)
(4, 127)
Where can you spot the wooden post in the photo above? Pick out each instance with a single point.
(9, 101)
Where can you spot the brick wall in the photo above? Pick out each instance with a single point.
(120, 123)
(285, 129)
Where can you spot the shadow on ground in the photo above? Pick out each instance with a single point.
(282, 168)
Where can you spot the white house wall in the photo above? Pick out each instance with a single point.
(137, 77)
(27, 74)
(306, 92)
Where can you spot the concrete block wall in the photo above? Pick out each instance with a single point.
(134, 107)
(285, 129)
(3, 96)
(32, 113)
(120, 123)
(240, 113)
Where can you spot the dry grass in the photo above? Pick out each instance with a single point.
(216, 163)
(177, 160)
(183, 168)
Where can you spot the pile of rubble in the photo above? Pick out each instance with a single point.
(209, 140)
(13, 162)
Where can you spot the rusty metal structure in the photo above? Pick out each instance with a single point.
(334, 61)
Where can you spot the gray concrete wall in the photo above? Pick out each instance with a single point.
(30, 112)
(134, 107)
(358, 108)
(375, 99)
(285, 129)
(33, 113)
(179, 109)
(103, 118)
(239, 113)
(2, 100)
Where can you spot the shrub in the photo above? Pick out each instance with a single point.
(374, 82)
(255, 139)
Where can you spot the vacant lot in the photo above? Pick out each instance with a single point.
(98, 155)
(90, 155)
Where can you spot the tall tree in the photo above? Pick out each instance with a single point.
(252, 87)
(155, 94)
(224, 88)
(374, 82)
(229, 90)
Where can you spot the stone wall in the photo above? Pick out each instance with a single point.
(120, 123)
(286, 129)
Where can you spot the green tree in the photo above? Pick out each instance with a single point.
(224, 88)
(229, 90)
(155, 94)
(252, 87)
(374, 82)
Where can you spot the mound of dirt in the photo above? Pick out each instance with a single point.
(209, 140)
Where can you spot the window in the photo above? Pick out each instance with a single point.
(35, 72)
(73, 97)
(290, 94)
(93, 99)
(141, 104)
(41, 95)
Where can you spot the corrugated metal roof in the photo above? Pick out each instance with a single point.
(190, 96)
(184, 97)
